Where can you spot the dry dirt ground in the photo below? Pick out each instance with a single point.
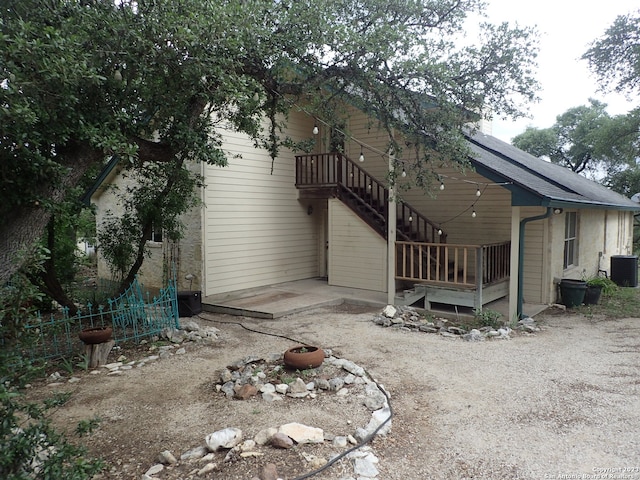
(562, 403)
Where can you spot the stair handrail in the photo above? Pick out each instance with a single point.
(338, 169)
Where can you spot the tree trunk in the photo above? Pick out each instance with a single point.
(49, 277)
(24, 225)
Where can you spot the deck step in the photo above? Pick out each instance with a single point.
(411, 296)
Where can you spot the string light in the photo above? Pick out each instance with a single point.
(404, 172)
(439, 231)
(361, 158)
(315, 129)
(473, 214)
(441, 185)
(478, 192)
(411, 218)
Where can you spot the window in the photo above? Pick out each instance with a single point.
(570, 239)
(155, 236)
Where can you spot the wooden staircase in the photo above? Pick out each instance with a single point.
(335, 175)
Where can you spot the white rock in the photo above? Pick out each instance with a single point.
(340, 442)
(282, 388)
(226, 438)
(181, 351)
(302, 433)
(264, 436)
(362, 467)
(167, 458)
(272, 397)
(268, 388)
(194, 453)
(389, 311)
(209, 467)
(157, 468)
(113, 366)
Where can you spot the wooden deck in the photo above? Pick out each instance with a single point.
(461, 275)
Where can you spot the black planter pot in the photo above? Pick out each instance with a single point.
(572, 292)
(592, 294)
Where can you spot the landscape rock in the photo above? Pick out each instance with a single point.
(281, 440)
(194, 453)
(226, 438)
(244, 392)
(157, 468)
(302, 433)
(298, 389)
(264, 436)
(167, 458)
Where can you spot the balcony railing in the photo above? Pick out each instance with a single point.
(465, 266)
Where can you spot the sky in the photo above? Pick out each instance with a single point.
(566, 28)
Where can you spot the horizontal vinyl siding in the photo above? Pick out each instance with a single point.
(357, 255)
(257, 231)
(452, 208)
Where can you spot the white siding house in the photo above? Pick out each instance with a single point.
(261, 225)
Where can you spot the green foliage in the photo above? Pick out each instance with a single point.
(31, 449)
(161, 82)
(87, 427)
(575, 140)
(622, 302)
(488, 318)
(608, 286)
(19, 298)
(155, 198)
(615, 57)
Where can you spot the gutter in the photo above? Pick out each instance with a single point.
(86, 198)
(523, 223)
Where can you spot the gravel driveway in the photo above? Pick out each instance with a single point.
(561, 403)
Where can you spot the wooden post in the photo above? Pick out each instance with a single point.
(97, 353)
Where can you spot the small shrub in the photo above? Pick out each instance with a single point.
(31, 449)
(608, 286)
(488, 318)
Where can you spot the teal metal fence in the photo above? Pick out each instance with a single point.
(133, 316)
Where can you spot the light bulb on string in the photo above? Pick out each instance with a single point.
(478, 192)
(473, 214)
(439, 231)
(315, 129)
(441, 185)
(411, 218)
(361, 158)
(404, 172)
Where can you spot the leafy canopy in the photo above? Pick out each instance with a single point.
(615, 57)
(149, 81)
(584, 139)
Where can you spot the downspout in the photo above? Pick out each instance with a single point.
(523, 223)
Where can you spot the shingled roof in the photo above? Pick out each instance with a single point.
(536, 182)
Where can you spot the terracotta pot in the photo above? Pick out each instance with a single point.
(303, 357)
(94, 335)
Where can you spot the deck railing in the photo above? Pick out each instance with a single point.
(451, 264)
